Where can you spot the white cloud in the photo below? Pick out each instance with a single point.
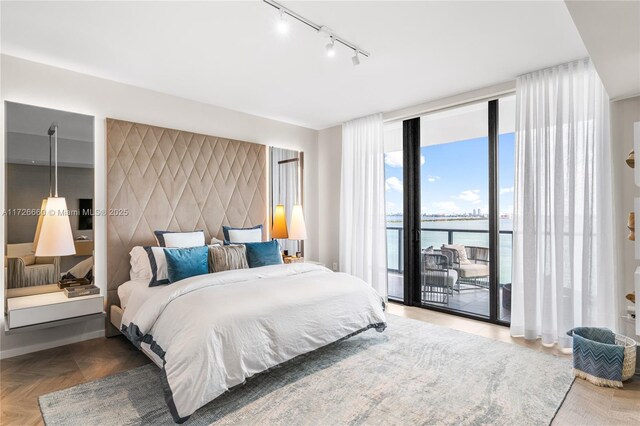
(446, 207)
(506, 190)
(433, 178)
(470, 195)
(394, 159)
(391, 207)
(393, 183)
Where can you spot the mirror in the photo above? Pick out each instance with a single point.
(285, 210)
(31, 136)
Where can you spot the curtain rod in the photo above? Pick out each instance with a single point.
(564, 64)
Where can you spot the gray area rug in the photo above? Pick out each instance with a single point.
(413, 373)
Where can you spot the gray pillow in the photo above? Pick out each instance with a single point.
(226, 258)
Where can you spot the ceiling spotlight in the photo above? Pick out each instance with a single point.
(282, 26)
(331, 49)
(356, 59)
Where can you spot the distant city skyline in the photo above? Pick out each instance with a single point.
(454, 178)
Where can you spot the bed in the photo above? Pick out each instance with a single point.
(210, 333)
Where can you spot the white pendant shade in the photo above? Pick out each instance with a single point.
(36, 238)
(297, 228)
(55, 237)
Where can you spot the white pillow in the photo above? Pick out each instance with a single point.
(140, 267)
(245, 235)
(81, 269)
(180, 239)
(159, 272)
(184, 239)
(462, 252)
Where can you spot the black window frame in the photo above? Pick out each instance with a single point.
(412, 217)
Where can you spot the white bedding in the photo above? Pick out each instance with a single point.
(140, 286)
(213, 331)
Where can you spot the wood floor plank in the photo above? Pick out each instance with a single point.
(23, 379)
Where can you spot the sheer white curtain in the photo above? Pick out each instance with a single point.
(363, 250)
(563, 240)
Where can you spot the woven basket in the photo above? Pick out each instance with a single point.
(629, 363)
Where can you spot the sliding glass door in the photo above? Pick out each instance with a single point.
(449, 187)
(454, 209)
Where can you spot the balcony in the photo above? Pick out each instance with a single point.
(470, 296)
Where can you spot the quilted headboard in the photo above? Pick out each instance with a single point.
(165, 179)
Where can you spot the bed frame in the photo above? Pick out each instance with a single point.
(166, 179)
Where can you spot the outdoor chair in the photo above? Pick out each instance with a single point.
(475, 272)
(437, 278)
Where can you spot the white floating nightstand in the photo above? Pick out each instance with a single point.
(50, 310)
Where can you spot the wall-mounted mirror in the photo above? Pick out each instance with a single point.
(40, 252)
(286, 211)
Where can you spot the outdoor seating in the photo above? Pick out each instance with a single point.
(437, 278)
(471, 264)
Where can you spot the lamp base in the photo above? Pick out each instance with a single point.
(293, 259)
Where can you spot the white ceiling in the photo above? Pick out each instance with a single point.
(229, 53)
(33, 120)
(611, 32)
(28, 140)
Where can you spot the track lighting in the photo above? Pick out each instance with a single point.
(355, 59)
(331, 48)
(282, 26)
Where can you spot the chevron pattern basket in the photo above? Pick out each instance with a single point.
(603, 357)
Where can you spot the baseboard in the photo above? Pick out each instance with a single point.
(8, 353)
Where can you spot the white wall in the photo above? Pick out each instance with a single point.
(623, 114)
(42, 85)
(329, 173)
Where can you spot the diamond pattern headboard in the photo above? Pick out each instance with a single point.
(172, 180)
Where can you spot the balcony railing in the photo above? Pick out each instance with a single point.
(436, 237)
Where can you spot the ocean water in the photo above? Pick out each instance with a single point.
(436, 238)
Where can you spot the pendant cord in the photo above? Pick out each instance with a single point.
(50, 169)
(56, 157)
(297, 173)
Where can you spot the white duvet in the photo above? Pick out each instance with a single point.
(214, 331)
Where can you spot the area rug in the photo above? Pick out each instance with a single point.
(413, 373)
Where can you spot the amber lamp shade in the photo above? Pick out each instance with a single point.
(279, 230)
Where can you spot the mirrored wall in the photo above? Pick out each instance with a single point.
(286, 213)
(38, 139)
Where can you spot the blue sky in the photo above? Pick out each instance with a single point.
(454, 177)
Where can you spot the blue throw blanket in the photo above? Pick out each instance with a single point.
(596, 357)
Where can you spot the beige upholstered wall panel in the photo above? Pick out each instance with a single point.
(173, 180)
